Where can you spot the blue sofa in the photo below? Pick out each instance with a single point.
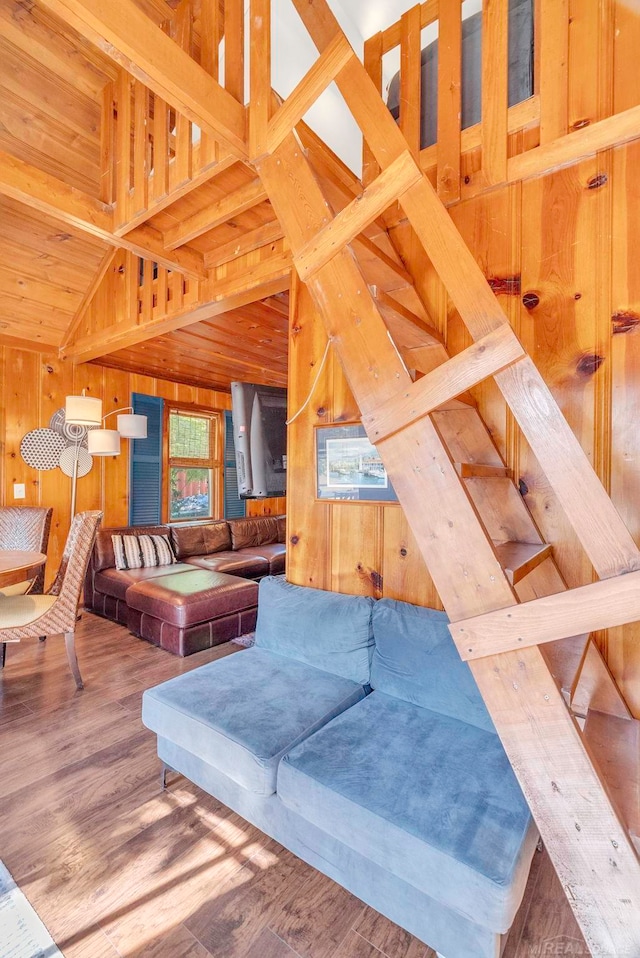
(354, 735)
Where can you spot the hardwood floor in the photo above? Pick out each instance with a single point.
(116, 867)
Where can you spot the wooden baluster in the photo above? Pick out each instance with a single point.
(495, 62)
(449, 102)
(160, 147)
(108, 155)
(132, 284)
(139, 199)
(234, 48)
(161, 291)
(373, 66)
(209, 44)
(260, 105)
(146, 298)
(123, 149)
(410, 79)
(180, 169)
(553, 42)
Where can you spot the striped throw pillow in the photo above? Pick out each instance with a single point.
(142, 552)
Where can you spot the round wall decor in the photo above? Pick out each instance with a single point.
(71, 431)
(69, 455)
(41, 448)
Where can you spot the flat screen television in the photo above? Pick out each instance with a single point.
(259, 415)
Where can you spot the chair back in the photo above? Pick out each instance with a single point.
(73, 566)
(26, 528)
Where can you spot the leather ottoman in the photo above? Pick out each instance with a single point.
(191, 611)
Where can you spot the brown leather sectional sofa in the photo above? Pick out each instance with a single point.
(208, 596)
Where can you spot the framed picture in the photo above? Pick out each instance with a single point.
(349, 467)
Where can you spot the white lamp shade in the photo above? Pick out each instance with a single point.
(83, 410)
(131, 426)
(103, 442)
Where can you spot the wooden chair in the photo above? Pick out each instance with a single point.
(33, 616)
(25, 528)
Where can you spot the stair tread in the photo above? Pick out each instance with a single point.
(469, 470)
(519, 558)
(596, 689)
(564, 659)
(615, 743)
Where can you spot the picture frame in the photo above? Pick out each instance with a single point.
(349, 467)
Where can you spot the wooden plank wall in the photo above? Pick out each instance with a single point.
(32, 386)
(561, 253)
(348, 546)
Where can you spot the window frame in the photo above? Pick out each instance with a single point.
(215, 462)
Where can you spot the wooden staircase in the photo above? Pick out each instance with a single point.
(511, 615)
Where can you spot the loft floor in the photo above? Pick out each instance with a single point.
(116, 867)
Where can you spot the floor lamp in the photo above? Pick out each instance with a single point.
(87, 411)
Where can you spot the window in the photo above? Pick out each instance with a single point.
(195, 471)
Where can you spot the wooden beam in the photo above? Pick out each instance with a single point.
(245, 243)
(468, 368)
(604, 536)
(599, 605)
(168, 196)
(596, 862)
(146, 241)
(45, 193)
(305, 94)
(352, 220)
(603, 135)
(126, 35)
(214, 215)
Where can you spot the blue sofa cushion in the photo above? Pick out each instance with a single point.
(328, 630)
(415, 659)
(241, 713)
(432, 799)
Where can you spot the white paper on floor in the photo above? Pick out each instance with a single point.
(22, 934)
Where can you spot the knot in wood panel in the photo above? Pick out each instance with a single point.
(624, 321)
(588, 364)
(597, 181)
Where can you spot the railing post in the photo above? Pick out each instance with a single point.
(260, 74)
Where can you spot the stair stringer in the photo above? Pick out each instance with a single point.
(587, 842)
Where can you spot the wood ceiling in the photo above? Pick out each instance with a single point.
(52, 84)
(65, 162)
(247, 344)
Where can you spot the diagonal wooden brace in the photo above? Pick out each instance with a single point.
(484, 358)
(599, 605)
(354, 218)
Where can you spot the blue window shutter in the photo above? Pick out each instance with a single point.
(234, 506)
(145, 485)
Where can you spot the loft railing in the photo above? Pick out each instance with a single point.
(153, 154)
(552, 127)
